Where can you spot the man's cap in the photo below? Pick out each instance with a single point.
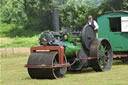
(89, 16)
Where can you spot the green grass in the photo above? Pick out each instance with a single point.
(14, 30)
(16, 36)
(14, 73)
(12, 35)
(19, 42)
(5, 28)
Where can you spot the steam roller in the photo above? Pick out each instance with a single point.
(64, 51)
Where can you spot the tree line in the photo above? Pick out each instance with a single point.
(36, 15)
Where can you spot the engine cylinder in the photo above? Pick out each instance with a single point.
(72, 49)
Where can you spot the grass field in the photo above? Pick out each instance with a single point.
(14, 73)
(15, 36)
(19, 42)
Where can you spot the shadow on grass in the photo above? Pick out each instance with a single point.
(85, 70)
(27, 78)
(119, 62)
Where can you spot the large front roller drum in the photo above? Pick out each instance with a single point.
(46, 58)
(101, 50)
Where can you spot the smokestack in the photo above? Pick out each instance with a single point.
(56, 19)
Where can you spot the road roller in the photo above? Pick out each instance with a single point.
(62, 51)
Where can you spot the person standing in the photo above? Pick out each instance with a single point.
(93, 23)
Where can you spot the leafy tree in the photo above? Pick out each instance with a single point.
(74, 14)
(39, 14)
(12, 11)
(113, 5)
(34, 15)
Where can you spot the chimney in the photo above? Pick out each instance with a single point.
(56, 19)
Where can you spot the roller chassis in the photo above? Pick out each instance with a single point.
(59, 53)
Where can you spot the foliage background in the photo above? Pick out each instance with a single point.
(28, 18)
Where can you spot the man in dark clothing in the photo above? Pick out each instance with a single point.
(92, 22)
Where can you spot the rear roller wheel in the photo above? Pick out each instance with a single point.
(102, 51)
(50, 58)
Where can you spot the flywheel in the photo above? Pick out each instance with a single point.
(88, 35)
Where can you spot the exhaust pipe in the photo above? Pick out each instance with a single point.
(56, 19)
